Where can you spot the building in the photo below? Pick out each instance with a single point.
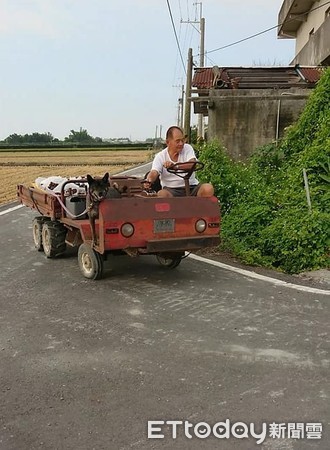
(307, 21)
(248, 107)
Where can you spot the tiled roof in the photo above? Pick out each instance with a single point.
(311, 74)
(255, 77)
(203, 78)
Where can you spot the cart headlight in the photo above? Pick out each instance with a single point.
(200, 225)
(127, 229)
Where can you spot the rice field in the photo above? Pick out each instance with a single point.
(23, 168)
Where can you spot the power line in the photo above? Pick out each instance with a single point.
(180, 9)
(265, 31)
(182, 36)
(208, 58)
(187, 10)
(242, 40)
(176, 36)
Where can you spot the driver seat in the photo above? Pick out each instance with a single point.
(156, 186)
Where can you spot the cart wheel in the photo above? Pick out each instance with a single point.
(37, 232)
(53, 238)
(90, 262)
(169, 261)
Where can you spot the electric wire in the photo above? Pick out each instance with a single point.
(176, 36)
(264, 31)
(180, 9)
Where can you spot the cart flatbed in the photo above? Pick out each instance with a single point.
(133, 224)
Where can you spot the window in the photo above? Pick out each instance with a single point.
(327, 13)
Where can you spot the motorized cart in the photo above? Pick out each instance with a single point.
(133, 224)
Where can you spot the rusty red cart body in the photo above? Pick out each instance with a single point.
(133, 224)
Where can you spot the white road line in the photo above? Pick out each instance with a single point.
(6, 211)
(244, 272)
(257, 276)
(134, 169)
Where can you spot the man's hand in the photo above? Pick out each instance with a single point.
(167, 164)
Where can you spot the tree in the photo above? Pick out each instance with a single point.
(193, 134)
(14, 139)
(34, 138)
(79, 137)
(39, 138)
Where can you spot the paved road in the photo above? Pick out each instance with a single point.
(85, 365)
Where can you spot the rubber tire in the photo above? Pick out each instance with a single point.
(53, 238)
(169, 262)
(90, 262)
(37, 232)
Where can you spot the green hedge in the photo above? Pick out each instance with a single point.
(266, 219)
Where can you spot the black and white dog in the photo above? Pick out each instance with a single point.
(98, 190)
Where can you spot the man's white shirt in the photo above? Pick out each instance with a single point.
(170, 179)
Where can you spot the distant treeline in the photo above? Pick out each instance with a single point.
(61, 146)
(76, 139)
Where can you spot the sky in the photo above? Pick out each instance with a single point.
(114, 67)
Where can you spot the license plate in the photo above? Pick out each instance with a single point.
(164, 225)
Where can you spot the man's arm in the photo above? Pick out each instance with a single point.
(156, 168)
(152, 176)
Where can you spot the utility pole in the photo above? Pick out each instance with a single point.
(155, 141)
(200, 128)
(201, 22)
(187, 110)
(179, 120)
(182, 100)
(179, 112)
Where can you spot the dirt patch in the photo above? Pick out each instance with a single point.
(23, 168)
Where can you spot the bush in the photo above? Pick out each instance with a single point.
(228, 178)
(307, 130)
(296, 240)
(266, 219)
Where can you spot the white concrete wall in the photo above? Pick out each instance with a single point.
(314, 20)
(244, 119)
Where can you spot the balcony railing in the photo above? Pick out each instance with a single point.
(288, 24)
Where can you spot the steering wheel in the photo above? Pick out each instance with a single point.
(185, 169)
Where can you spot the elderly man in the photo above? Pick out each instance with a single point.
(177, 151)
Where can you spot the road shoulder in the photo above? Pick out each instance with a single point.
(319, 279)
